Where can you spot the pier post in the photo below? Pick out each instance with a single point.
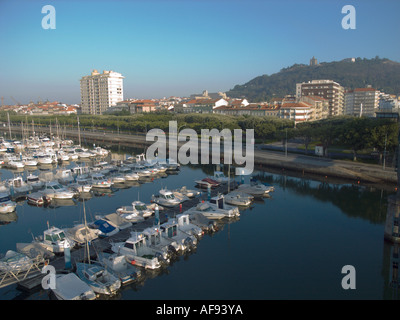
(156, 216)
(67, 256)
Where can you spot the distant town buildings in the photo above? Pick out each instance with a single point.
(100, 91)
(327, 89)
(316, 99)
(43, 108)
(361, 102)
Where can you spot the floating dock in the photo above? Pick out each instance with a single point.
(104, 244)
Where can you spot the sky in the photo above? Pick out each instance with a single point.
(180, 47)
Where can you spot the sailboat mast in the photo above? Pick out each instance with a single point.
(79, 132)
(86, 228)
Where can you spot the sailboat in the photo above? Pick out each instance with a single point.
(95, 274)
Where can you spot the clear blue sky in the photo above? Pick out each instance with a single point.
(180, 47)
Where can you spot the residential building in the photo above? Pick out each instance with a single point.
(361, 102)
(135, 106)
(251, 109)
(100, 91)
(200, 105)
(327, 89)
(319, 107)
(389, 106)
(297, 111)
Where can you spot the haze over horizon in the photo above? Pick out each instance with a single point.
(178, 48)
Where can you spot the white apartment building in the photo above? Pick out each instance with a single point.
(327, 89)
(297, 111)
(362, 102)
(100, 91)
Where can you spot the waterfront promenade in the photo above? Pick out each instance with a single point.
(304, 164)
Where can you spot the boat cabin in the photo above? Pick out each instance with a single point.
(93, 273)
(169, 229)
(152, 236)
(219, 201)
(53, 235)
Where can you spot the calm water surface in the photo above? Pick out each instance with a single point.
(291, 245)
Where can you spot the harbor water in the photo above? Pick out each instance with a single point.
(290, 245)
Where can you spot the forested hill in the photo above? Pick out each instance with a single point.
(381, 74)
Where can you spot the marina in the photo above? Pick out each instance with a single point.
(219, 252)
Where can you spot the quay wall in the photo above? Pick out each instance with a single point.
(342, 169)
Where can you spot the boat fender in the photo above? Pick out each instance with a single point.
(133, 262)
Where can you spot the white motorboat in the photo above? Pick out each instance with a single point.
(46, 158)
(116, 220)
(98, 278)
(99, 151)
(186, 226)
(16, 164)
(64, 176)
(18, 186)
(155, 240)
(180, 196)
(72, 155)
(188, 192)
(120, 267)
(70, 287)
(100, 181)
(83, 184)
(165, 198)
(81, 233)
(207, 210)
(238, 198)
(63, 156)
(34, 250)
(151, 167)
(54, 240)
(6, 204)
(127, 173)
(220, 177)
(29, 161)
(218, 202)
(136, 250)
(15, 261)
(254, 190)
(37, 199)
(141, 171)
(132, 176)
(83, 153)
(104, 227)
(34, 181)
(207, 183)
(118, 179)
(54, 190)
(137, 208)
(171, 231)
(152, 240)
(206, 224)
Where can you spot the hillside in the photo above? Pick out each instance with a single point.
(382, 74)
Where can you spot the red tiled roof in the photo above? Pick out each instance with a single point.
(364, 89)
